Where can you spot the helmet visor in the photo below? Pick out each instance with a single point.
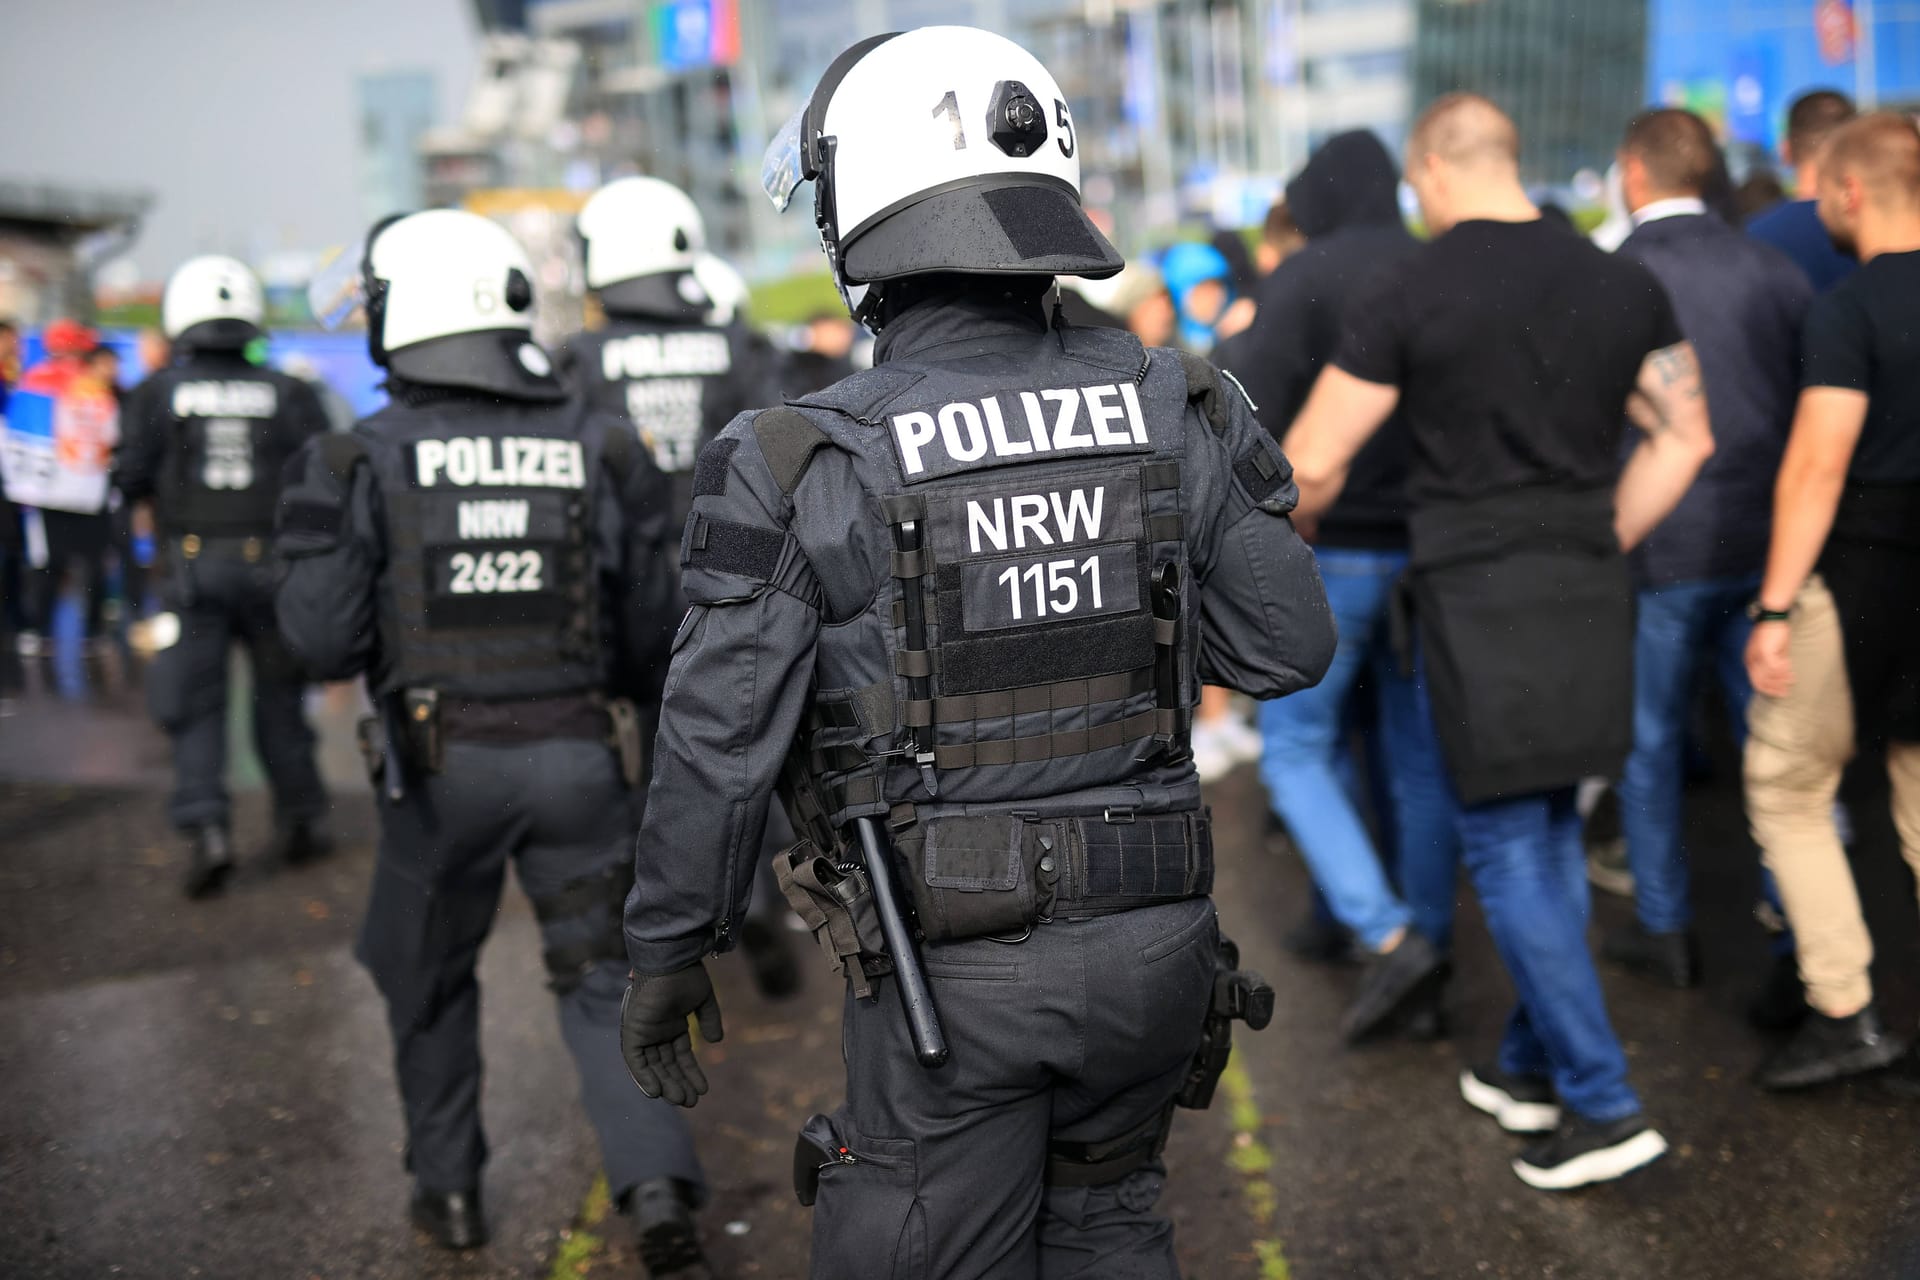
(338, 290)
(782, 170)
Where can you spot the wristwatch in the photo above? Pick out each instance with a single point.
(1758, 612)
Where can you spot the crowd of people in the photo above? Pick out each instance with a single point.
(1551, 491)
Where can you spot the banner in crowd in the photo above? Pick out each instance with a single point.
(56, 442)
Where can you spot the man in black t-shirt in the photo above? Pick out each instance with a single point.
(1511, 348)
(1835, 652)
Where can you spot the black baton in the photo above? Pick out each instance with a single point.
(923, 1021)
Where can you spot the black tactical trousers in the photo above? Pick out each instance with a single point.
(1082, 1033)
(559, 810)
(220, 600)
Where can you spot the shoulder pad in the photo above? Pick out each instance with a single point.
(787, 441)
(1113, 349)
(341, 450)
(862, 393)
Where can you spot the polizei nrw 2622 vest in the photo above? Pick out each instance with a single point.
(490, 587)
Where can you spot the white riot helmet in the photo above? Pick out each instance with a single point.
(983, 176)
(449, 302)
(642, 239)
(212, 302)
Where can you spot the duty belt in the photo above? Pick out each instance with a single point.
(251, 549)
(518, 720)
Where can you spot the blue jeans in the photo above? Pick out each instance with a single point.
(1679, 627)
(1311, 781)
(1525, 858)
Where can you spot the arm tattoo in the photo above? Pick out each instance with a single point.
(1678, 369)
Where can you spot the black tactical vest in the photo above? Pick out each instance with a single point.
(674, 382)
(228, 440)
(1036, 640)
(491, 589)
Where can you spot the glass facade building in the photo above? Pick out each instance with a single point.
(1570, 75)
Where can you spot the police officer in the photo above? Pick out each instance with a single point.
(490, 555)
(668, 359)
(206, 439)
(966, 600)
(678, 361)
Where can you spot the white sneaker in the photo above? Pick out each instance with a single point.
(1240, 739)
(1211, 759)
(27, 644)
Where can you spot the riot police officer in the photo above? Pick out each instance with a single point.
(490, 555)
(677, 360)
(966, 600)
(670, 358)
(206, 439)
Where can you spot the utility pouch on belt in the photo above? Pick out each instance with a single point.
(625, 739)
(836, 901)
(1237, 993)
(371, 737)
(976, 877)
(420, 723)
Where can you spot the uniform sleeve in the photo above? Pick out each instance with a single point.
(736, 688)
(1265, 628)
(1836, 349)
(636, 545)
(329, 539)
(143, 444)
(1373, 338)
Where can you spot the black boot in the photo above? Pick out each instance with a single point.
(452, 1218)
(1826, 1049)
(209, 863)
(669, 1245)
(298, 843)
(1393, 983)
(1782, 1002)
(776, 971)
(1671, 959)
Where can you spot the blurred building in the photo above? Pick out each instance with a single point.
(396, 111)
(52, 237)
(1570, 75)
(1741, 62)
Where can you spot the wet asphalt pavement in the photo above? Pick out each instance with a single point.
(205, 1090)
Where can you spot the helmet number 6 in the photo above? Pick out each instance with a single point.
(1065, 121)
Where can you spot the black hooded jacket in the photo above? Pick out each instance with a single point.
(1346, 203)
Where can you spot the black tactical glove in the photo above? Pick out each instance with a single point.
(653, 1032)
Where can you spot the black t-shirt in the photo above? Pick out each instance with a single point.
(1515, 346)
(1865, 336)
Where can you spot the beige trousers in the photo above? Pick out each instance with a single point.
(1797, 747)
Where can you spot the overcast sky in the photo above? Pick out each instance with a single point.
(239, 115)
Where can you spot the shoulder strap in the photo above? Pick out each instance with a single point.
(787, 439)
(1203, 389)
(341, 451)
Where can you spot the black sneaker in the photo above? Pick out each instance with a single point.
(1827, 1049)
(1903, 1078)
(1781, 1004)
(1580, 1152)
(1392, 983)
(1323, 941)
(669, 1245)
(452, 1218)
(1671, 959)
(298, 843)
(209, 863)
(1521, 1104)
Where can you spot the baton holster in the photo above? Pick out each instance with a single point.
(1238, 994)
